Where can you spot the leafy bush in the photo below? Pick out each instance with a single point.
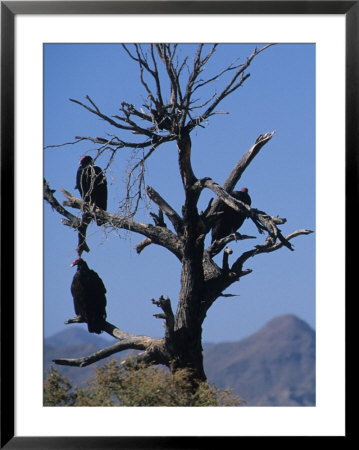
(57, 390)
(116, 384)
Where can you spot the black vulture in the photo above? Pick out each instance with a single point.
(88, 292)
(163, 122)
(229, 221)
(92, 184)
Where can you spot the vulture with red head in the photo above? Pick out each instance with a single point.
(88, 292)
(229, 221)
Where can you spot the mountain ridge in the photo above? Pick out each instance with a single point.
(273, 367)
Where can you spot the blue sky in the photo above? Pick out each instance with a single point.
(279, 95)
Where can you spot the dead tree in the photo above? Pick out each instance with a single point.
(157, 121)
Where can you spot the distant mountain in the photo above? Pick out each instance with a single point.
(74, 343)
(77, 336)
(273, 367)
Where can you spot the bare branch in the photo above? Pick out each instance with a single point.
(78, 139)
(116, 145)
(166, 53)
(126, 344)
(202, 83)
(217, 246)
(172, 215)
(143, 244)
(236, 81)
(128, 110)
(158, 218)
(158, 235)
(219, 280)
(184, 146)
(98, 113)
(237, 205)
(267, 248)
(143, 65)
(229, 295)
(48, 193)
(197, 69)
(159, 222)
(156, 76)
(154, 348)
(226, 253)
(240, 167)
(165, 305)
(82, 244)
(246, 159)
(121, 335)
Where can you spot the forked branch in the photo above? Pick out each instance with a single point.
(48, 194)
(172, 215)
(266, 248)
(154, 350)
(126, 342)
(168, 316)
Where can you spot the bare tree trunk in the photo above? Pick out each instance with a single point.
(188, 326)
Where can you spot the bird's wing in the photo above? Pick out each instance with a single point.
(100, 176)
(97, 283)
(78, 178)
(77, 291)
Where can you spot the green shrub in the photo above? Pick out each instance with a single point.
(116, 384)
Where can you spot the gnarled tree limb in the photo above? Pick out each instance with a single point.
(246, 159)
(217, 246)
(172, 215)
(221, 279)
(240, 167)
(155, 350)
(267, 248)
(125, 344)
(48, 193)
(159, 235)
(165, 305)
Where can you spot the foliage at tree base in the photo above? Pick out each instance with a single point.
(135, 385)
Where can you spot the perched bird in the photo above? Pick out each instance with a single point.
(88, 292)
(92, 184)
(163, 122)
(229, 221)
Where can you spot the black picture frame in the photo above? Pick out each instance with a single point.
(9, 9)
